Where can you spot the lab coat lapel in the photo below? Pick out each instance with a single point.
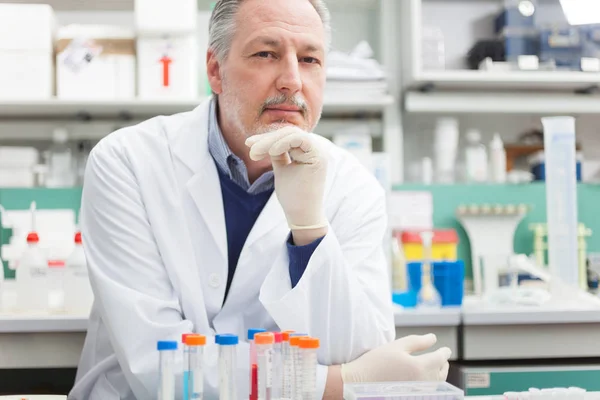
(190, 145)
(271, 217)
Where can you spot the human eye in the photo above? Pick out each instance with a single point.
(264, 54)
(310, 60)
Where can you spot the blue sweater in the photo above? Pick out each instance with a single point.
(241, 212)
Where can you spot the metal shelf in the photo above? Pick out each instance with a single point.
(501, 103)
(141, 108)
(528, 80)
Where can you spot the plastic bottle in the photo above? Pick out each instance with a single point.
(166, 382)
(277, 365)
(308, 350)
(32, 274)
(264, 359)
(476, 158)
(78, 291)
(445, 148)
(61, 164)
(227, 366)
(56, 286)
(194, 366)
(497, 160)
(253, 365)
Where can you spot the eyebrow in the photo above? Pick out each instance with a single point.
(268, 41)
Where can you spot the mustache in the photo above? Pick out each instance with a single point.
(282, 99)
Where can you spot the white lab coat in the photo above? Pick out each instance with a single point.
(155, 240)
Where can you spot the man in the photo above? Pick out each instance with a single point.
(234, 216)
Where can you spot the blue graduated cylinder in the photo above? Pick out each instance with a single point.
(448, 279)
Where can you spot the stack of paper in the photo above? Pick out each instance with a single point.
(355, 74)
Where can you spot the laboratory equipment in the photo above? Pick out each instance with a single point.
(61, 172)
(297, 365)
(445, 149)
(448, 279)
(166, 384)
(308, 350)
(478, 221)
(79, 296)
(253, 366)
(428, 296)
(17, 166)
(288, 366)
(264, 359)
(32, 273)
(402, 391)
(398, 265)
(227, 366)
(277, 365)
(476, 158)
(497, 160)
(561, 198)
(186, 366)
(194, 369)
(444, 245)
(56, 288)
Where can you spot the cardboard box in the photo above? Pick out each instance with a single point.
(168, 67)
(95, 62)
(157, 17)
(27, 34)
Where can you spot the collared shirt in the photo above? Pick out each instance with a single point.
(229, 163)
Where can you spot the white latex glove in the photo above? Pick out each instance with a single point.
(393, 362)
(300, 169)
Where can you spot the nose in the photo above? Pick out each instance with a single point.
(289, 81)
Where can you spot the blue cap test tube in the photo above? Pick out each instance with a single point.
(227, 366)
(167, 351)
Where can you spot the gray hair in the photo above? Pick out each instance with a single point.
(222, 25)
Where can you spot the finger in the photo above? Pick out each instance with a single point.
(417, 343)
(261, 145)
(296, 140)
(437, 358)
(444, 372)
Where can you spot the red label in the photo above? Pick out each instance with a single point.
(166, 62)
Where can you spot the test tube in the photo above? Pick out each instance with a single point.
(277, 365)
(195, 382)
(297, 366)
(166, 369)
(227, 366)
(253, 366)
(288, 366)
(186, 363)
(264, 360)
(308, 350)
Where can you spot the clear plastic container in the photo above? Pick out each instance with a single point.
(288, 366)
(32, 277)
(166, 384)
(79, 296)
(308, 351)
(61, 163)
(195, 366)
(253, 366)
(264, 360)
(56, 286)
(277, 365)
(227, 366)
(297, 362)
(402, 391)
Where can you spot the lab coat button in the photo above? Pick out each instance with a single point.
(214, 280)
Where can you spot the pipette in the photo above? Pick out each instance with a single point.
(195, 378)
(227, 366)
(428, 296)
(166, 388)
(308, 351)
(264, 359)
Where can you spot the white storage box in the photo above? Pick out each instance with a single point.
(168, 67)
(95, 62)
(18, 157)
(157, 17)
(26, 51)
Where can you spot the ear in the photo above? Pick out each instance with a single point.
(213, 69)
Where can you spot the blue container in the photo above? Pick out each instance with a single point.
(511, 17)
(448, 279)
(539, 171)
(406, 299)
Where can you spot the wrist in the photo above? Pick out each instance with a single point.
(303, 237)
(334, 388)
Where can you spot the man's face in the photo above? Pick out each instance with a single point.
(274, 74)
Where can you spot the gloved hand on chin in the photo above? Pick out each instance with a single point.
(300, 169)
(394, 362)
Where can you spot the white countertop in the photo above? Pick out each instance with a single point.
(42, 323)
(449, 316)
(475, 312)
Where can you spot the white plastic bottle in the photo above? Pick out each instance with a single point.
(476, 158)
(445, 148)
(61, 165)
(32, 275)
(78, 291)
(497, 160)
